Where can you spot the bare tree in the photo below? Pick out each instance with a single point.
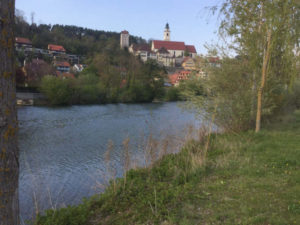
(9, 165)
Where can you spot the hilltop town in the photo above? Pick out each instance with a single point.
(179, 59)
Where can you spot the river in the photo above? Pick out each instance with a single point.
(63, 150)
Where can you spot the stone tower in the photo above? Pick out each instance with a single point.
(167, 33)
(124, 40)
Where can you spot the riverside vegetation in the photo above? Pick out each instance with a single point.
(236, 176)
(246, 178)
(107, 80)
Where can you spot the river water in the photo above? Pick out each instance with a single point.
(63, 150)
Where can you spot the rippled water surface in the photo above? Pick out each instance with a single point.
(62, 150)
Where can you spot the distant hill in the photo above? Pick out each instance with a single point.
(76, 40)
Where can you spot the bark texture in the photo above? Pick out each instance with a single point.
(9, 163)
(263, 81)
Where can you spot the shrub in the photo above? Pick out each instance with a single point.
(172, 94)
(58, 91)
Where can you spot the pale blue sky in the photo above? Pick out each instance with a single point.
(189, 20)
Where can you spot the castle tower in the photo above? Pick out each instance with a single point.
(124, 40)
(167, 33)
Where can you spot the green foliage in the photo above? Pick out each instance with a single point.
(248, 178)
(76, 40)
(58, 91)
(72, 215)
(109, 79)
(233, 88)
(172, 94)
(186, 53)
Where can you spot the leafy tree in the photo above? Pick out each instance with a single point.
(266, 32)
(242, 90)
(9, 153)
(58, 91)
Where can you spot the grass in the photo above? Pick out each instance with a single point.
(247, 178)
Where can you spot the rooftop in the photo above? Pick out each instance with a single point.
(58, 48)
(65, 64)
(21, 40)
(169, 45)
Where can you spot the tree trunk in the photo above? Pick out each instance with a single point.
(263, 81)
(9, 164)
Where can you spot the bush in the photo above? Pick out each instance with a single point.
(58, 91)
(172, 94)
(89, 90)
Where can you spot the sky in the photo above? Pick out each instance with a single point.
(190, 20)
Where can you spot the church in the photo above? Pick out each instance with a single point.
(165, 52)
(175, 48)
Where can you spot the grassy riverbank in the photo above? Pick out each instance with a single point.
(246, 178)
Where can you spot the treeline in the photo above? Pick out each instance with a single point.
(76, 40)
(109, 78)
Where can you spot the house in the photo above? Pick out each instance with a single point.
(214, 61)
(164, 58)
(141, 50)
(73, 58)
(78, 67)
(179, 76)
(191, 51)
(56, 49)
(173, 78)
(188, 63)
(22, 43)
(62, 66)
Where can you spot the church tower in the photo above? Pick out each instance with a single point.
(167, 33)
(124, 40)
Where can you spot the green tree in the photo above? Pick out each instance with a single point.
(9, 153)
(58, 91)
(244, 90)
(266, 32)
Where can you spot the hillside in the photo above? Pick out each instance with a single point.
(247, 178)
(76, 40)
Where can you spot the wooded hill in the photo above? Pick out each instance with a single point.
(76, 40)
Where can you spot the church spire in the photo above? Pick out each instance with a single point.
(167, 26)
(167, 33)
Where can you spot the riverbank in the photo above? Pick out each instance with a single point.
(246, 178)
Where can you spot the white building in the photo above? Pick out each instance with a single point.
(168, 53)
(177, 49)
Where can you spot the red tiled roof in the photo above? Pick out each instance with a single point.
(56, 48)
(169, 45)
(65, 64)
(173, 78)
(21, 40)
(141, 47)
(191, 48)
(124, 32)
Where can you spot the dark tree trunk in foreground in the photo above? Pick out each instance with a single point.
(9, 165)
